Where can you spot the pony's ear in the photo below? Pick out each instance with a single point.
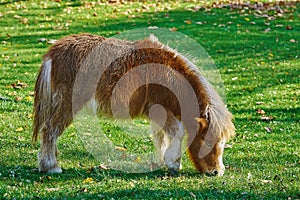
(202, 122)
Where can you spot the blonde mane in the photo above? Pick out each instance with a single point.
(215, 112)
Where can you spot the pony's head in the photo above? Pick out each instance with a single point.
(207, 147)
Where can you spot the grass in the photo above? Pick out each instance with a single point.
(258, 59)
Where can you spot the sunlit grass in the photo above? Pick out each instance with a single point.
(258, 60)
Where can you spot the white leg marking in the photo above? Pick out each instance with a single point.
(56, 170)
(220, 158)
(46, 161)
(172, 154)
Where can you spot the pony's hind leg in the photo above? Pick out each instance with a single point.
(47, 155)
(54, 126)
(168, 141)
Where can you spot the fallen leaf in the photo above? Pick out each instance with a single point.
(120, 149)
(268, 129)
(259, 102)
(20, 129)
(17, 16)
(51, 41)
(173, 29)
(260, 111)
(152, 27)
(289, 27)
(14, 93)
(42, 40)
(30, 116)
(266, 118)
(293, 40)
(24, 21)
(88, 180)
(18, 98)
(28, 98)
(138, 159)
(249, 176)
(266, 181)
(103, 166)
(19, 85)
(188, 22)
(52, 189)
(196, 8)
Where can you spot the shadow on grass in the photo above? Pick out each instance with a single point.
(19, 172)
(25, 176)
(177, 193)
(283, 115)
(30, 178)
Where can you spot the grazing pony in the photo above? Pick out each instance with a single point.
(124, 79)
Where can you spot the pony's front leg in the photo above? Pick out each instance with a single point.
(47, 155)
(174, 136)
(168, 141)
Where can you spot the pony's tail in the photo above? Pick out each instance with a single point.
(42, 98)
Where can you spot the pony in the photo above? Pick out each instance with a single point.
(164, 86)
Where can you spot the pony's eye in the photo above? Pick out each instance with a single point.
(222, 142)
(209, 145)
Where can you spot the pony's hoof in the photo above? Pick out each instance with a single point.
(56, 170)
(173, 172)
(175, 166)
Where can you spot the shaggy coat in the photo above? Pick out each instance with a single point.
(79, 69)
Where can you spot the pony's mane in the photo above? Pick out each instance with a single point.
(216, 113)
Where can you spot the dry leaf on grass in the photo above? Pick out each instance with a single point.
(52, 189)
(266, 118)
(20, 129)
(88, 180)
(268, 129)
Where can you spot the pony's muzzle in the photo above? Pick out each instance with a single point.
(215, 173)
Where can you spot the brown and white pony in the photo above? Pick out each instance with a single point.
(85, 68)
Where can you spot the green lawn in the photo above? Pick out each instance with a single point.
(257, 57)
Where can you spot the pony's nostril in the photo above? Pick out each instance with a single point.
(212, 173)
